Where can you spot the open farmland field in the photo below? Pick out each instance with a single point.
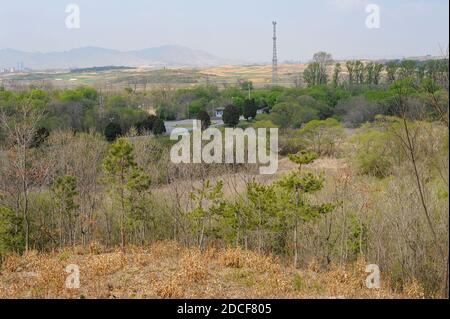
(145, 79)
(141, 79)
(259, 75)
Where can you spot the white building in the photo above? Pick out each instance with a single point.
(219, 112)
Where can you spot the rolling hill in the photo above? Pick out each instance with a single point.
(164, 56)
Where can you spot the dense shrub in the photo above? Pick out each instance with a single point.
(291, 114)
(323, 137)
(146, 125)
(112, 131)
(372, 155)
(159, 127)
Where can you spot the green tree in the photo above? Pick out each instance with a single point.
(261, 209)
(408, 69)
(65, 193)
(124, 178)
(197, 106)
(139, 206)
(294, 206)
(370, 72)
(116, 101)
(316, 74)
(303, 158)
(355, 71)
(146, 125)
(359, 72)
(11, 232)
(204, 117)
(437, 99)
(377, 69)
(336, 74)
(250, 109)
(350, 65)
(231, 115)
(84, 95)
(392, 69)
(311, 75)
(372, 152)
(235, 223)
(247, 85)
(323, 59)
(112, 131)
(322, 136)
(293, 114)
(207, 201)
(20, 128)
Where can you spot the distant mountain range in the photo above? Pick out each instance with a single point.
(164, 56)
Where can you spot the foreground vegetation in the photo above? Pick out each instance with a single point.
(363, 178)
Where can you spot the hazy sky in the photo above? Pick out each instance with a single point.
(237, 29)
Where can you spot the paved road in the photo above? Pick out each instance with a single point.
(171, 125)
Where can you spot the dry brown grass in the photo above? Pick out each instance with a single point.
(167, 270)
(260, 75)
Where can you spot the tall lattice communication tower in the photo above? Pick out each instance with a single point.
(275, 58)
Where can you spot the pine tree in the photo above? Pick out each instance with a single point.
(11, 232)
(124, 179)
(261, 208)
(294, 206)
(65, 192)
(207, 205)
(303, 158)
(336, 74)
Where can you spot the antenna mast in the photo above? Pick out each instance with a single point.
(275, 58)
